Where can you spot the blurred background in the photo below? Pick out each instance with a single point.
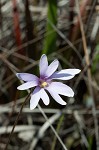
(64, 29)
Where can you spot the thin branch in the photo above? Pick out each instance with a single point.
(10, 136)
(87, 59)
(46, 118)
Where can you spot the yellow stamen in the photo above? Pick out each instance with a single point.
(43, 84)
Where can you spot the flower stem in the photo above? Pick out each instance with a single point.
(55, 132)
(17, 118)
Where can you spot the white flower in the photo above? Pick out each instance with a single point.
(46, 82)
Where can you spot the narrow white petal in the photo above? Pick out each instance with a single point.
(65, 74)
(56, 97)
(52, 68)
(44, 96)
(71, 71)
(35, 97)
(43, 65)
(27, 85)
(27, 77)
(60, 88)
(61, 76)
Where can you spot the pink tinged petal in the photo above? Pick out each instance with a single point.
(60, 88)
(27, 85)
(35, 97)
(52, 68)
(65, 74)
(43, 65)
(27, 77)
(44, 96)
(56, 97)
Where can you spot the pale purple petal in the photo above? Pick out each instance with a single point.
(60, 88)
(35, 97)
(44, 96)
(56, 97)
(27, 85)
(65, 74)
(70, 71)
(27, 77)
(43, 65)
(52, 68)
(61, 76)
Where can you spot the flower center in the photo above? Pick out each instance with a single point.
(43, 84)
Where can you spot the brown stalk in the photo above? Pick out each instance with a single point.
(16, 121)
(87, 60)
(16, 23)
(76, 29)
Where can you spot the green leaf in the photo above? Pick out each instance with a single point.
(51, 35)
(90, 139)
(96, 60)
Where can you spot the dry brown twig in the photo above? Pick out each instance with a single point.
(87, 60)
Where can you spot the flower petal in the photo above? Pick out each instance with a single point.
(27, 77)
(52, 68)
(71, 71)
(44, 96)
(61, 76)
(35, 97)
(43, 65)
(27, 85)
(56, 97)
(60, 88)
(65, 74)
